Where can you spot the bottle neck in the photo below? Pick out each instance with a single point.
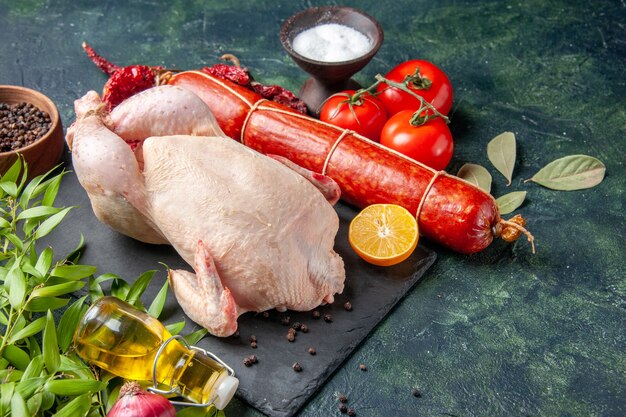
(193, 374)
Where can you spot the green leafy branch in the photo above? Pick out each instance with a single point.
(40, 374)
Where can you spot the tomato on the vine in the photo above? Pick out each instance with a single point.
(359, 111)
(429, 143)
(425, 79)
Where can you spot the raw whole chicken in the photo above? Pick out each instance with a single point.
(257, 230)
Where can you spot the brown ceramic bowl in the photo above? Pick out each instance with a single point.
(329, 77)
(45, 153)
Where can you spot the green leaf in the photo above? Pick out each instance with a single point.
(34, 403)
(31, 329)
(501, 151)
(139, 286)
(19, 323)
(50, 223)
(59, 289)
(28, 192)
(71, 364)
(27, 268)
(120, 288)
(6, 392)
(194, 337)
(17, 242)
(69, 321)
(574, 172)
(112, 397)
(51, 357)
(47, 400)
(175, 328)
(33, 345)
(16, 357)
(34, 368)
(17, 286)
(13, 173)
(52, 188)
(78, 407)
(477, 175)
(27, 386)
(74, 386)
(156, 307)
(95, 291)
(509, 202)
(74, 256)
(9, 188)
(10, 375)
(44, 261)
(4, 223)
(73, 272)
(18, 406)
(36, 212)
(41, 304)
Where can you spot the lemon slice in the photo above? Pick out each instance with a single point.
(383, 234)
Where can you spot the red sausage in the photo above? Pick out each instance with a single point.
(453, 213)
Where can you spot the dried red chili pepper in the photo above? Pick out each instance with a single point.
(104, 64)
(126, 82)
(231, 73)
(123, 81)
(242, 77)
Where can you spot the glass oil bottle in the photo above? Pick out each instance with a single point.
(129, 343)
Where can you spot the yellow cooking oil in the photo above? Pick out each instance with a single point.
(124, 341)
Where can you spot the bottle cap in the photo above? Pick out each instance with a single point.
(225, 390)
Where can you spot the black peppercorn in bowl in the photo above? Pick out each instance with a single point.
(29, 126)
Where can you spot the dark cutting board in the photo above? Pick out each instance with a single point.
(271, 385)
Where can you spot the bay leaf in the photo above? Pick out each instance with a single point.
(511, 201)
(477, 175)
(501, 151)
(573, 172)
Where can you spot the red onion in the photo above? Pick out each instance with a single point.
(134, 401)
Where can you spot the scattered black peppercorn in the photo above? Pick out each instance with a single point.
(362, 367)
(316, 314)
(351, 412)
(250, 360)
(296, 325)
(328, 318)
(297, 367)
(347, 306)
(236, 334)
(253, 345)
(304, 328)
(285, 320)
(416, 393)
(312, 351)
(291, 337)
(266, 314)
(343, 409)
(253, 339)
(343, 398)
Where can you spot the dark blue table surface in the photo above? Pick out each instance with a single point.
(501, 333)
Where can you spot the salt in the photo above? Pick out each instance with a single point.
(331, 42)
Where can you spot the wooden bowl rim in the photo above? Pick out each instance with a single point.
(54, 115)
(286, 42)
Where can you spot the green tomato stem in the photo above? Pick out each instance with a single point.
(418, 118)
